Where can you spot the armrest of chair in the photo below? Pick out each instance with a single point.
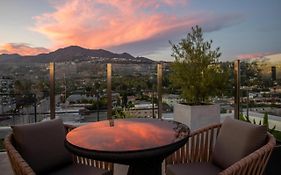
(19, 165)
(254, 163)
(68, 127)
(198, 148)
(86, 161)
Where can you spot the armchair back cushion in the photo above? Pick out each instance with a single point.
(236, 140)
(42, 145)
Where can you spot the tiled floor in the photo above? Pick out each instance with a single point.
(5, 167)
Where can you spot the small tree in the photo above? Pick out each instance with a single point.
(196, 70)
(251, 73)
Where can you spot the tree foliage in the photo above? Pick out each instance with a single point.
(196, 70)
(250, 74)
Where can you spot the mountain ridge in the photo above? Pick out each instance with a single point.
(75, 53)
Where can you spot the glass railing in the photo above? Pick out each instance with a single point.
(81, 88)
(261, 95)
(22, 87)
(134, 90)
(80, 92)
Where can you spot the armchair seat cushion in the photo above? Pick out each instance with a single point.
(236, 140)
(193, 169)
(42, 145)
(79, 169)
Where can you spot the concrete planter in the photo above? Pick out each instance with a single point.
(197, 116)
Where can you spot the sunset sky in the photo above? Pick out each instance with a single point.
(241, 28)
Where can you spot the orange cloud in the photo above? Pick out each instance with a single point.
(108, 23)
(22, 49)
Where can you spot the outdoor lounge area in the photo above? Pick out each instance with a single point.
(140, 87)
(233, 147)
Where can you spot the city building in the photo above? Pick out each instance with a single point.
(7, 101)
(143, 109)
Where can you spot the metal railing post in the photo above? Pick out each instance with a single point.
(35, 107)
(159, 88)
(237, 88)
(52, 91)
(109, 94)
(153, 107)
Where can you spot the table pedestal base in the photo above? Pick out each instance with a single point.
(149, 168)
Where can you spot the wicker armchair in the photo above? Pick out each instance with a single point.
(21, 167)
(199, 149)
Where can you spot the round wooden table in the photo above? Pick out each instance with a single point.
(141, 143)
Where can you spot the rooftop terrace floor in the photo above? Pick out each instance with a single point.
(5, 166)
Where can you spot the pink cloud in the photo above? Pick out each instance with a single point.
(109, 23)
(254, 55)
(22, 49)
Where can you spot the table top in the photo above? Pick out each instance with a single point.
(125, 135)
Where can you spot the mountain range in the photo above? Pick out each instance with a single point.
(75, 53)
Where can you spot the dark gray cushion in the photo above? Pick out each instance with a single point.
(79, 169)
(236, 140)
(42, 145)
(193, 169)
